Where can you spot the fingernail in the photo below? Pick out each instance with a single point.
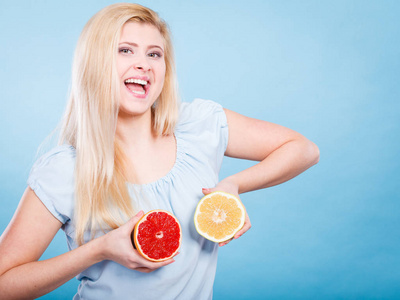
(140, 213)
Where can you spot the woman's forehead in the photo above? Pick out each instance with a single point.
(142, 34)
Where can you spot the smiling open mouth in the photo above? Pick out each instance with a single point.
(137, 86)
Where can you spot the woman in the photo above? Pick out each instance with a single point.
(127, 146)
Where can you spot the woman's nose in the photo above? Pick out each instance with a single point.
(142, 65)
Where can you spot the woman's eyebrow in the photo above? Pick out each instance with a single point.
(148, 47)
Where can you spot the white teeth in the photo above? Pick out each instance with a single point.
(138, 81)
(138, 92)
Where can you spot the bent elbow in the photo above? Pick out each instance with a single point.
(313, 153)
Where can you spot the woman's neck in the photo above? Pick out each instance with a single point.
(147, 156)
(131, 129)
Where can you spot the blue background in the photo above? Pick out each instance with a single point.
(328, 69)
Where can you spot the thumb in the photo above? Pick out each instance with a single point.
(132, 221)
(207, 191)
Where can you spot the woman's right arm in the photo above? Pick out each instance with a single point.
(28, 235)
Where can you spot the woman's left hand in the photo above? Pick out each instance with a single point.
(231, 188)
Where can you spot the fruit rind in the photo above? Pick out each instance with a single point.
(226, 237)
(137, 244)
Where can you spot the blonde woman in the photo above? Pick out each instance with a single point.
(128, 146)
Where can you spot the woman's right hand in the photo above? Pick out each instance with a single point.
(117, 246)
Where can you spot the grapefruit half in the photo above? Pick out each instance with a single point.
(219, 216)
(157, 235)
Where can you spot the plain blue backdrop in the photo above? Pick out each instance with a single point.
(328, 69)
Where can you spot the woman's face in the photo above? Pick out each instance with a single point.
(141, 67)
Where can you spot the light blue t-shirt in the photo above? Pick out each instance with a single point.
(202, 136)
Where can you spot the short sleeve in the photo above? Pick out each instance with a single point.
(204, 123)
(52, 180)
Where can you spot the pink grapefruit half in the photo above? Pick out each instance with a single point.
(157, 235)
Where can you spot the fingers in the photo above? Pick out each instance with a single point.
(206, 191)
(218, 188)
(143, 265)
(246, 226)
(135, 219)
(224, 243)
(147, 266)
(242, 231)
(130, 224)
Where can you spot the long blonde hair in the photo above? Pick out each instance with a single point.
(89, 124)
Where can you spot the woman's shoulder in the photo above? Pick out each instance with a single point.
(60, 151)
(203, 123)
(52, 180)
(200, 110)
(61, 154)
(58, 162)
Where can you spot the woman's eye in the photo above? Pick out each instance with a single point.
(125, 50)
(155, 54)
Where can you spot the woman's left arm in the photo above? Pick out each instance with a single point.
(282, 154)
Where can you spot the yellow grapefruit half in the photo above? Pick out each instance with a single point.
(219, 216)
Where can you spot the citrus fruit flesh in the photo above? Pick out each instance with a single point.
(157, 235)
(219, 216)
